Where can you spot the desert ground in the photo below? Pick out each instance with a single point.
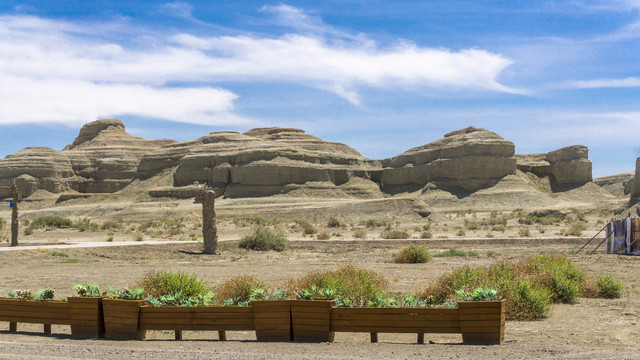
(155, 239)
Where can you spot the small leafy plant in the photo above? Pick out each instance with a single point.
(86, 290)
(20, 294)
(479, 294)
(178, 299)
(45, 294)
(127, 294)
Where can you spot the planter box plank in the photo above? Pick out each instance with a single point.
(311, 320)
(121, 319)
(400, 330)
(272, 320)
(373, 322)
(479, 328)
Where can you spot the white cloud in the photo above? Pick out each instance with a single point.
(177, 8)
(605, 83)
(62, 71)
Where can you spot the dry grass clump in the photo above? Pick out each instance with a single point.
(413, 254)
(395, 234)
(358, 286)
(159, 283)
(239, 288)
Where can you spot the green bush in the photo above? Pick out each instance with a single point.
(413, 254)
(527, 301)
(159, 283)
(263, 239)
(529, 285)
(333, 223)
(608, 287)
(323, 236)
(351, 284)
(451, 252)
(51, 222)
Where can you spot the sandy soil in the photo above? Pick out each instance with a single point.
(593, 328)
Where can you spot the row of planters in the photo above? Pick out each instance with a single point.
(354, 300)
(178, 302)
(125, 317)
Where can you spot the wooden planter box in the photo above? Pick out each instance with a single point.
(121, 318)
(86, 316)
(396, 320)
(272, 320)
(46, 312)
(178, 318)
(311, 320)
(482, 322)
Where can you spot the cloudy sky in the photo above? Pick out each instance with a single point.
(380, 76)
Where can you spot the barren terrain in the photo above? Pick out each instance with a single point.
(167, 235)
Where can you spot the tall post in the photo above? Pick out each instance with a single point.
(14, 215)
(209, 229)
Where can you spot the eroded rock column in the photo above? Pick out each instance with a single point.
(209, 229)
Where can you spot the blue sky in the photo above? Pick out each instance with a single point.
(380, 76)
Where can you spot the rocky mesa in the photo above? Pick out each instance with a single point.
(104, 158)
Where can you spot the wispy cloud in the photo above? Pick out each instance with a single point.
(604, 83)
(66, 71)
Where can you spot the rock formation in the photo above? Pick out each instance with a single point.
(635, 188)
(569, 165)
(619, 185)
(469, 159)
(104, 158)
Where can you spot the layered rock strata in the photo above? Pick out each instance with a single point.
(104, 158)
(469, 159)
(568, 165)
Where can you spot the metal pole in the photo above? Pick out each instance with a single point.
(588, 242)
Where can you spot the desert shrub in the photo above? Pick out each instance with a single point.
(323, 236)
(111, 225)
(360, 234)
(307, 228)
(426, 235)
(255, 220)
(263, 239)
(524, 232)
(608, 287)
(471, 225)
(351, 284)
(543, 218)
(529, 285)
(28, 231)
(575, 229)
(239, 289)
(558, 274)
(461, 232)
(527, 301)
(333, 223)
(373, 223)
(3, 223)
(394, 234)
(86, 225)
(159, 283)
(51, 222)
(413, 254)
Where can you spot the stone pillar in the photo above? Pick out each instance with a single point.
(14, 215)
(209, 229)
